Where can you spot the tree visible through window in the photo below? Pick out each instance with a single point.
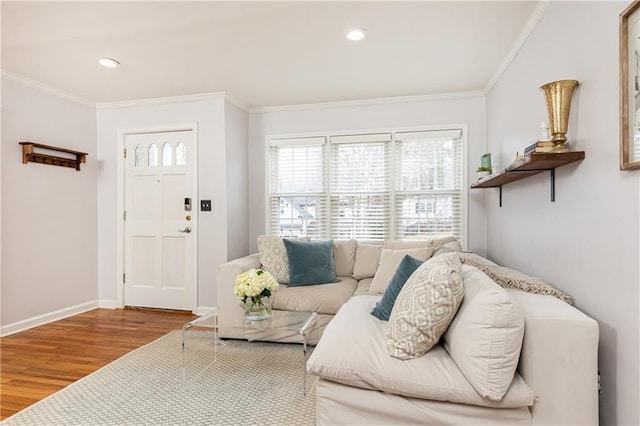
(369, 187)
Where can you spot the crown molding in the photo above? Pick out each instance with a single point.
(160, 101)
(237, 103)
(522, 38)
(46, 88)
(371, 102)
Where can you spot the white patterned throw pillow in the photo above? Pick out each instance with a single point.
(273, 257)
(425, 307)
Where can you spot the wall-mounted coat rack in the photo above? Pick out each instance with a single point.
(28, 155)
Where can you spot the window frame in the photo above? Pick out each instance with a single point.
(464, 140)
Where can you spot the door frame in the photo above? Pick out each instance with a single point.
(120, 203)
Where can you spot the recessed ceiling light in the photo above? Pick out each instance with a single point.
(355, 34)
(108, 62)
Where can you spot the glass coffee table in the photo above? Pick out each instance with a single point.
(301, 324)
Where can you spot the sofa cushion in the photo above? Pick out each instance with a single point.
(310, 262)
(407, 266)
(363, 286)
(352, 351)
(367, 259)
(425, 307)
(485, 337)
(446, 245)
(323, 299)
(389, 261)
(408, 244)
(273, 256)
(344, 256)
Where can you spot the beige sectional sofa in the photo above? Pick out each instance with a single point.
(555, 383)
(356, 265)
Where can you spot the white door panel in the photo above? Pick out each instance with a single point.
(159, 258)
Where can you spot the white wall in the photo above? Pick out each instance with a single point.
(410, 113)
(586, 242)
(212, 232)
(237, 139)
(49, 216)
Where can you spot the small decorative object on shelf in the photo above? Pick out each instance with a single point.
(28, 155)
(539, 146)
(558, 96)
(254, 287)
(545, 135)
(485, 161)
(483, 172)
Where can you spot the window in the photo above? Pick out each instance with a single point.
(371, 187)
(153, 155)
(360, 187)
(297, 187)
(139, 156)
(167, 159)
(428, 195)
(181, 155)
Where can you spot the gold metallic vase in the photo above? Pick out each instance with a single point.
(558, 95)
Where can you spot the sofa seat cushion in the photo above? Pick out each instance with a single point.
(353, 352)
(321, 298)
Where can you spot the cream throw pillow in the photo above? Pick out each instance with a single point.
(485, 337)
(425, 307)
(344, 256)
(273, 256)
(367, 259)
(389, 262)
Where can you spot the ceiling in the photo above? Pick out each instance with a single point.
(262, 53)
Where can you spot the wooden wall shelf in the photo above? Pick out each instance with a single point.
(536, 163)
(28, 155)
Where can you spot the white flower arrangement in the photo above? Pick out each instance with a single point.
(251, 286)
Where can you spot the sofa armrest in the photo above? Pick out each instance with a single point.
(230, 313)
(559, 360)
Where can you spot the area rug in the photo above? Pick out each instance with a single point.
(240, 383)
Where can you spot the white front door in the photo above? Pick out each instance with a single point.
(160, 220)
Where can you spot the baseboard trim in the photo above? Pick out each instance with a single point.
(43, 319)
(108, 304)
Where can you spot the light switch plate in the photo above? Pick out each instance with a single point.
(205, 205)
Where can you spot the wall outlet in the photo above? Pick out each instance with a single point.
(205, 205)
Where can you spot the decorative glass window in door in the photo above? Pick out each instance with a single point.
(167, 159)
(181, 154)
(139, 157)
(153, 155)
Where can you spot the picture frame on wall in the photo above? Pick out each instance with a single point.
(630, 87)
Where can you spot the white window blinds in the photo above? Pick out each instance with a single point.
(369, 187)
(360, 187)
(428, 196)
(297, 186)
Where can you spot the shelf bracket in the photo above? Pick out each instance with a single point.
(500, 195)
(553, 184)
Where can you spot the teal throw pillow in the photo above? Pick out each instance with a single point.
(310, 262)
(407, 266)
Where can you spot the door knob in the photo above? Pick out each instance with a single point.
(186, 230)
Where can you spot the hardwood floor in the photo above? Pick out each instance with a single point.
(38, 362)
